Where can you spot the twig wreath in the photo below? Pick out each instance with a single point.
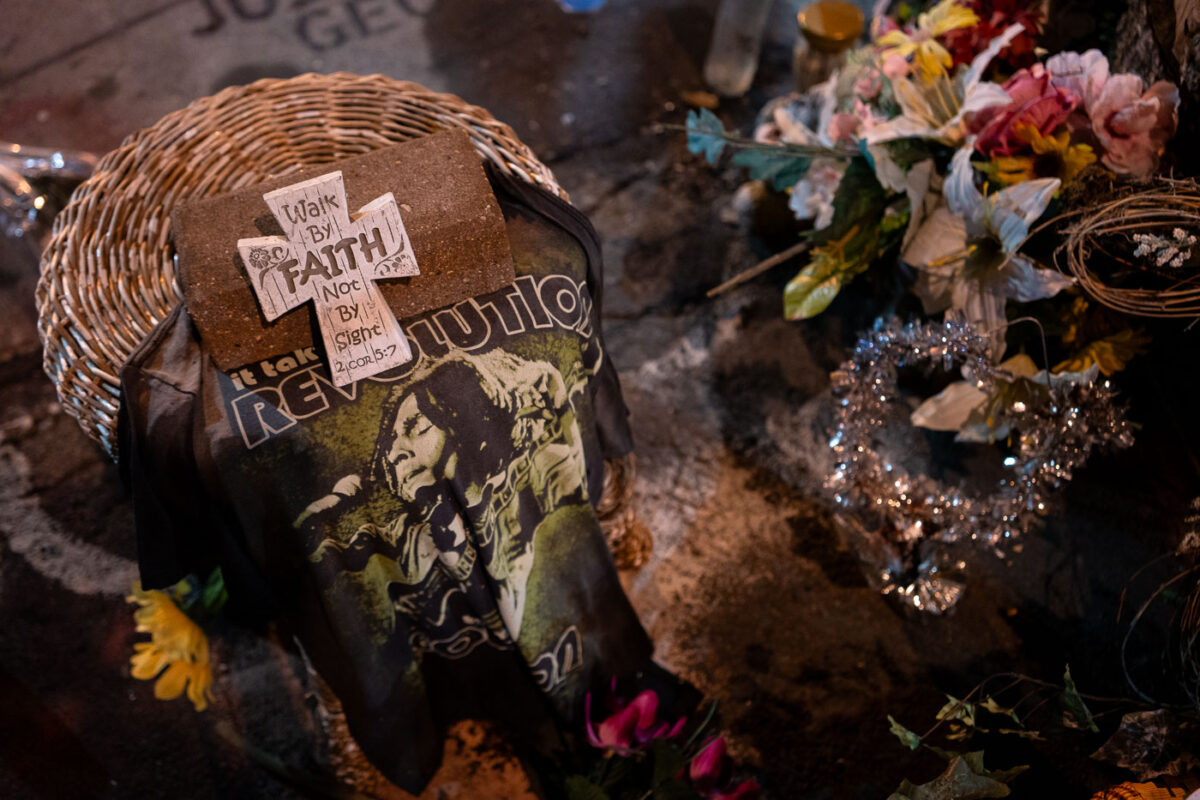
(1053, 429)
(1161, 219)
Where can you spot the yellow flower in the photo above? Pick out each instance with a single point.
(929, 58)
(1053, 157)
(178, 649)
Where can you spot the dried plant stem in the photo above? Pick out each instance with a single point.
(760, 268)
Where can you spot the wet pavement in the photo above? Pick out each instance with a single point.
(752, 594)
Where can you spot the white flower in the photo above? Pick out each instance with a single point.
(966, 250)
(963, 407)
(812, 196)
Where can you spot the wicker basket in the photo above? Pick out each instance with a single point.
(108, 274)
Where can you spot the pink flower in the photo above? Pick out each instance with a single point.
(1133, 126)
(709, 774)
(632, 726)
(708, 768)
(1035, 101)
(869, 84)
(843, 128)
(1082, 75)
(895, 66)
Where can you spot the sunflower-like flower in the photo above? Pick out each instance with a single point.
(1053, 157)
(177, 653)
(929, 57)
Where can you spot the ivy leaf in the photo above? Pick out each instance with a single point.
(705, 134)
(989, 704)
(1075, 711)
(1033, 736)
(769, 163)
(964, 779)
(909, 739)
(580, 788)
(957, 709)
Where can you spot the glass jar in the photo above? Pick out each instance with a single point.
(828, 28)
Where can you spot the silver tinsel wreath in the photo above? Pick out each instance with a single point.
(916, 515)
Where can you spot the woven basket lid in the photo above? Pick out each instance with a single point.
(108, 273)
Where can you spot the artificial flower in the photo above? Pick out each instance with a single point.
(868, 84)
(1133, 124)
(1109, 354)
(812, 121)
(1081, 74)
(1053, 157)
(983, 417)
(707, 768)
(177, 653)
(929, 57)
(995, 16)
(937, 108)
(843, 127)
(631, 727)
(709, 771)
(895, 66)
(1035, 103)
(812, 196)
(967, 247)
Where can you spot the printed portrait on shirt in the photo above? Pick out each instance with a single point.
(438, 531)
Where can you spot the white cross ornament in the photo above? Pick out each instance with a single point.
(333, 259)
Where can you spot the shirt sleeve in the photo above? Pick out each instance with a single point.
(158, 466)
(181, 529)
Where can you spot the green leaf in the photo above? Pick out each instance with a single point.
(909, 739)
(705, 134)
(1075, 711)
(908, 152)
(580, 788)
(811, 291)
(712, 711)
(214, 597)
(668, 760)
(783, 169)
(858, 202)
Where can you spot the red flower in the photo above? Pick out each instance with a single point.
(1035, 102)
(994, 18)
(632, 726)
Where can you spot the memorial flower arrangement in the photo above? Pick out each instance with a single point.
(1006, 184)
(948, 144)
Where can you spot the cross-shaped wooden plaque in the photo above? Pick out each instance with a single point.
(333, 259)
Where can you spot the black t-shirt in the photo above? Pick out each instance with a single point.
(428, 535)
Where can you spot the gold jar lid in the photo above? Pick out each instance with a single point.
(831, 25)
